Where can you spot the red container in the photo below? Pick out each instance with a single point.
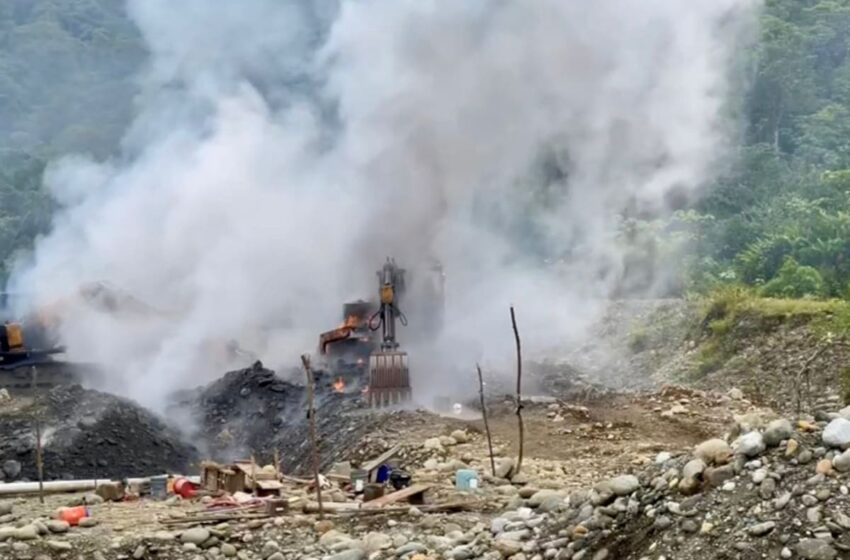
(73, 514)
(184, 488)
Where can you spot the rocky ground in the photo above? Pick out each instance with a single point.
(656, 471)
(569, 446)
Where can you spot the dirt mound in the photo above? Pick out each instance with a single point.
(89, 434)
(253, 411)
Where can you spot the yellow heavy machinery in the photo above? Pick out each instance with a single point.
(33, 341)
(364, 351)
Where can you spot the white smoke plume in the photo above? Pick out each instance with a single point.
(283, 149)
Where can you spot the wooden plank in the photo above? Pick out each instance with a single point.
(402, 494)
(370, 466)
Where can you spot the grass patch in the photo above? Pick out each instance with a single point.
(710, 358)
(638, 340)
(725, 308)
(844, 380)
(730, 316)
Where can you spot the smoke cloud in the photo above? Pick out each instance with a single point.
(283, 149)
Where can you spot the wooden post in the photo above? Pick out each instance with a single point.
(486, 424)
(311, 414)
(253, 475)
(518, 391)
(39, 463)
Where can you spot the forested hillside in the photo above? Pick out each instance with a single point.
(67, 72)
(779, 219)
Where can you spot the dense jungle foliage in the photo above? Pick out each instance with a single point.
(778, 221)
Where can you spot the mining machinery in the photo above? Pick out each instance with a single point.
(389, 376)
(364, 352)
(27, 345)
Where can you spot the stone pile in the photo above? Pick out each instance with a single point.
(89, 434)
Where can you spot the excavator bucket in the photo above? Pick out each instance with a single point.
(389, 378)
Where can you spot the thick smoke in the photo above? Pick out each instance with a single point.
(283, 149)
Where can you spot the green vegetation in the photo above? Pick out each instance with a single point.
(66, 84)
(729, 318)
(779, 220)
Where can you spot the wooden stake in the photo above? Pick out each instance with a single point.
(311, 413)
(39, 463)
(486, 424)
(253, 476)
(518, 391)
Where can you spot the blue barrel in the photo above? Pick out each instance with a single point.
(466, 479)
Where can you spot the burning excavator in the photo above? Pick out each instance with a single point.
(365, 351)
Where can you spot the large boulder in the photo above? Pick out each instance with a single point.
(837, 433)
(12, 468)
(504, 467)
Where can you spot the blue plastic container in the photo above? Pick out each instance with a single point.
(466, 479)
(383, 474)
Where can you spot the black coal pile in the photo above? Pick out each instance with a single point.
(254, 412)
(89, 434)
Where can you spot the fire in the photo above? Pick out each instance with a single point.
(339, 385)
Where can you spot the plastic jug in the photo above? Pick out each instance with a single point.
(466, 479)
(358, 479)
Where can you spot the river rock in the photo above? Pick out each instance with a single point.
(57, 526)
(60, 546)
(433, 444)
(837, 433)
(12, 468)
(377, 541)
(761, 529)
(195, 536)
(841, 462)
(542, 496)
(750, 444)
(623, 485)
(460, 436)
(352, 554)
(693, 468)
(816, 549)
(713, 452)
(777, 431)
(504, 466)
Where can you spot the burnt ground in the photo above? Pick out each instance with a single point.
(89, 434)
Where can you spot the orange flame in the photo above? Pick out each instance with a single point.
(339, 385)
